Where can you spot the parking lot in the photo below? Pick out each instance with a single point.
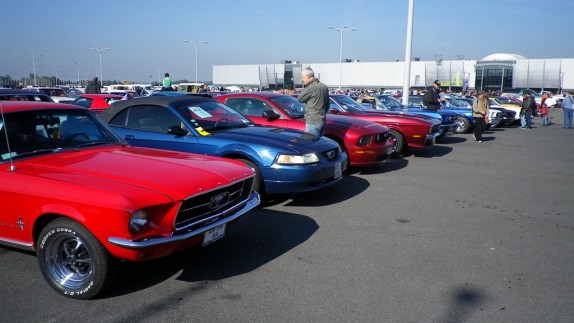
(460, 231)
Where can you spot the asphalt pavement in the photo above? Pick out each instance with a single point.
(458, 232)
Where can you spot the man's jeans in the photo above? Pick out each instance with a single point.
(316, 129)
(526, 120)
(568, 118)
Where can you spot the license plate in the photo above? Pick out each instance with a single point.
(338, 169)
(214, 234)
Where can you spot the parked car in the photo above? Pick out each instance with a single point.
(23, 95)
(364, 142)
(285, 160)
(96, 102)
(447, 118)
(75, 193)
(406, 129)
(57, 94)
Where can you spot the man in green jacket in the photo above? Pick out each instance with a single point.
(315, 95)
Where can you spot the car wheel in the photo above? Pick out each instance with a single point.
(258, 182)
(443, 132)
(72, 260)
(398, 142)
(463, 126)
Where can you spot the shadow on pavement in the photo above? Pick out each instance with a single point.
(462, 302)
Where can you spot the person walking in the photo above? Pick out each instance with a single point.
(315, 96)
(431, 99)
(93, 87)
(567, 105)
(480, 115)
(527, 108)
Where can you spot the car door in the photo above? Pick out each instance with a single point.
(147, 126)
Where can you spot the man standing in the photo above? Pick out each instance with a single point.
(431, 99)
(527, 108)
(93, 87)
(567, 105)
(315, 95)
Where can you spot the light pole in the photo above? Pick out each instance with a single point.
(100, 50)
(78, 65)
(341, 31)
(34, 64)
(195, 42)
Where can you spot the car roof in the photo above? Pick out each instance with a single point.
(117, 106)
(265, 94)
(16, 106)
(103, 95)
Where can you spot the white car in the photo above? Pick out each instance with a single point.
(57, 94)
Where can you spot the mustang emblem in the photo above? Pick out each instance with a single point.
(331, 154)
(219, 200)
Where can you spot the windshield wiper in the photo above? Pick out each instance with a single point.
(93, 143)
(37, 152)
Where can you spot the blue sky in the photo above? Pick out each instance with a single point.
(146, 38)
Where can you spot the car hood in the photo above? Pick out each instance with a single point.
(151, 173)
(280, 138)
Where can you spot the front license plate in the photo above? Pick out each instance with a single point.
(214, 234)
(338, 169)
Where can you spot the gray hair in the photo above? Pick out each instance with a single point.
(308, 71)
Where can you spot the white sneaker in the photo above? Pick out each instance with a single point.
(474, 136)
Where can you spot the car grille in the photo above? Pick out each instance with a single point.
(201, 210)
(331, 154)
(509, 114)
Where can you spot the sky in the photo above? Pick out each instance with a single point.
(147, 38)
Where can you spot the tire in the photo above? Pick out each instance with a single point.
(442, 134)
(72, 260)
(464, 125)
(399, 140)
(258, 185)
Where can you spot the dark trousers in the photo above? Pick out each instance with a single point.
(479, 126)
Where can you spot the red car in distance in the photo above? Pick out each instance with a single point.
(406, 129)
(365, 142)
(96, 102)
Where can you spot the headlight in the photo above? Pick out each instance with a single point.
(297, 159)
(364, 140)
(138, 221)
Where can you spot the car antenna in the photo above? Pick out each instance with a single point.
(12, 167)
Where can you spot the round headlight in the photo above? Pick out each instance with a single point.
(138, 221)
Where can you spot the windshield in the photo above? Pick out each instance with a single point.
(212, 116)
(348, 104)
(290, 105)
(389, 103)
(458, 103)
(51, 130)
(54, 92)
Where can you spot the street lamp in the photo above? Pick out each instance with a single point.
(195, 42)
(100, 50)
(78, 65)
(34, 65)
(341, 31)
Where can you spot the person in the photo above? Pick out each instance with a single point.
(567, 105)
(480, 115)
(315, 96)
(551, 104)
(528, 106)
(543, 113)
(93, 87)
(166, 83)
(431, 99)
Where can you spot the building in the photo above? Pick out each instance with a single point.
(493, 72)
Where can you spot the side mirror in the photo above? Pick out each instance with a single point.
(177, 130)
(270, 115)
(334, 111)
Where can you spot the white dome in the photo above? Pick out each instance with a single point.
(503, 57)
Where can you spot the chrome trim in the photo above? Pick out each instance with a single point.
(252, 202)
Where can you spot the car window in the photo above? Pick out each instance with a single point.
(83, 102)
(290, 105)
(248, 106)
(146, 117)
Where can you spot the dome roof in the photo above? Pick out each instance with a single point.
(503, 57)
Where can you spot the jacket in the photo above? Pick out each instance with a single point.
(431, 99)
(316, 99)
(93, 88)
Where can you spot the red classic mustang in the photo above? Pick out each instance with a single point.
(365, 142)
(75, 193)
(406, 129)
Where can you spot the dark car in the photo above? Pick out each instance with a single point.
(285, 160)
(23, 95)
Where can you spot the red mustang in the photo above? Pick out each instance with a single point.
(75, 193)
(96, 102)
(406, 130)
(365, 142)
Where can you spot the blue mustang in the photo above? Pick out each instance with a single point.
(285, 160)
